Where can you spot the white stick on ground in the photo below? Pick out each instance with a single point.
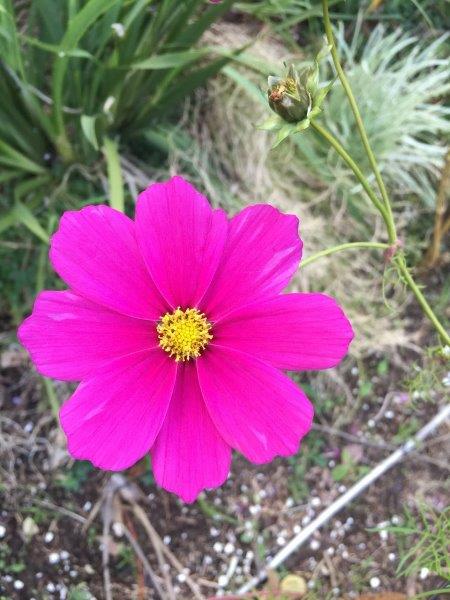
(343, 500)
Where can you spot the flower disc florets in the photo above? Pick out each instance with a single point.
(184, 334)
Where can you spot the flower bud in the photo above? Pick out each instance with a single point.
(288, 98)
(295, 99)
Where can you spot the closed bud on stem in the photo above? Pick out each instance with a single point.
(295, 99)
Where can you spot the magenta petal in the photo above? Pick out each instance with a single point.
(257, 409)
(262, 252)
(181, 239)
(96, 253)
(189, 454)
(291, 331)
(68, 336)
(113, 418)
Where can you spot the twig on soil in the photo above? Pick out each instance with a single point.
(158, 545)
(346, 498)
(107, 520)
(60, 509)
(140, 554)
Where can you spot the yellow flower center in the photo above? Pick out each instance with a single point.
(184, 334)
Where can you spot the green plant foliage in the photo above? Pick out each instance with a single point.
(75, 74)
(423, 542)
(397, 81)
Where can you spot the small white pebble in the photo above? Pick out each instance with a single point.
(350, 521)
(345, 555)
(218, 547)
(330, 551)
(51, 587)
(2, 531)
(389, 414)
(392, 556)
(181, 577)
(39, 575)
(18, 584)
(316, 501)
(229, 548)
(73, 573)
(117, 528)
(28, 427)
(424, 572)
(49, 537)
(263, 494)
(362, 546)
(222, 581)
(446, 351)
(255, 509)
(311, 583)
(375, 582)
(306, 520)
(371, 423)
(64, 555)
(297, 529)
(395, 520)
(342, 488)
(332, 464)
(207, 559)
(280, 540)
(336, 591)
(53, 558)
(7, 578)
(384, 534)
(333, 534)
(87, 506)
(167, 539)
(354, 371)
(314, 545)
(213, 532)
(365, 406)
(249, 556)
(289, 502)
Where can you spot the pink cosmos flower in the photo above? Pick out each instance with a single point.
(176, 326)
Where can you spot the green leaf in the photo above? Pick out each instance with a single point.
(171, 59)
(340, 472)
(26, 217)
(78, 26)
(12, 158)
(88, 128)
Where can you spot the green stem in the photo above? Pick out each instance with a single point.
(348, 246)
(354, 167)
(359, 122)
(403, 269)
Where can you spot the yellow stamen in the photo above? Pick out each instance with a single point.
(184, 334)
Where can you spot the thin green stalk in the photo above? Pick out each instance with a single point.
(115, 179)
(52, 398)
(354, 167)
(403, 269)
(386, 211)
(348, 246)
(359, 122)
